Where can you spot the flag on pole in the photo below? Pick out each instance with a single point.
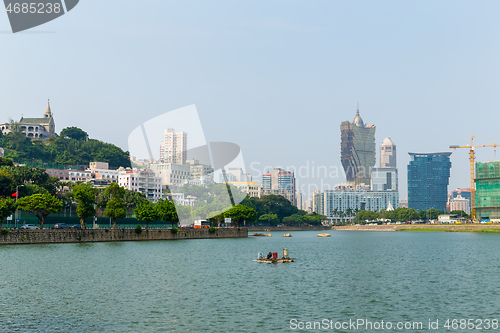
(14, 194)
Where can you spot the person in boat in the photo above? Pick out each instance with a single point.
(269, 255)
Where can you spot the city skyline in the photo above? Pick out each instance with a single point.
(425, 85)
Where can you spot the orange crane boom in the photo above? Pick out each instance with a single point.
(472, 158)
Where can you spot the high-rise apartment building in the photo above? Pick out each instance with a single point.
(488, 190)
(357, 150)
(279, 182)
(428, 178)
(173, 149)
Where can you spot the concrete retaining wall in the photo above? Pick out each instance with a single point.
(118, 235)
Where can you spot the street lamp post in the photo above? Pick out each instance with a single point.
(17, 196)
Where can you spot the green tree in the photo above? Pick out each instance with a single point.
(240, 213)
(115, 209)
(276, 204)
(271, 219)
(41, 205)
(7, 183)
(166, 212)
(85, 196)
(294, 219)
(113, 197)
(74, 133)
(7, 207)
(146, 212)
(132, 199)
(216, 216)
(6, 162)
(460, 213)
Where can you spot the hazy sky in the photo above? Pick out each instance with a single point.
(275, 77)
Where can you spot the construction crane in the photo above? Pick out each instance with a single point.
(472, 158)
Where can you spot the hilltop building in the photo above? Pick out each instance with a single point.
(201, 173)
(171, 173)
(488, 190)
(252, 188)
(34, 128)
(357, 150)
(279, 182)
(234, 175)
(428, 178)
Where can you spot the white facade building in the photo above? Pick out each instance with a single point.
(143, 181)
(171, 173)
(234, 175)
(252, 188)
(200, 173)
(182, 199)
(388, 154)
(34, 128)
(330, 202)
(173, 149)
(460, 203)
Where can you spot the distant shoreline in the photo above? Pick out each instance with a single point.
(491, 228)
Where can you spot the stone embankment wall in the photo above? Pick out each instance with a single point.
(118, 235)
(285, 228)
(395, 227)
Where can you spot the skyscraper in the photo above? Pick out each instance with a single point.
(279, 182)
(428, 177)
(385, 178)
(488, 190)
(173, 149)
(357, 150)
(388, 154)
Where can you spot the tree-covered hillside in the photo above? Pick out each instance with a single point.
(72, 147)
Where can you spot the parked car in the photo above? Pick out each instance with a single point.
(76, 226)
(61, 226)
(29, 226)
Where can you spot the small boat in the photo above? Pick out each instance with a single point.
(256, 234)
(269, 235)
(274, 258)
(324, 234)
(287, 235)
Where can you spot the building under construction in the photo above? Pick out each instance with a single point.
(488, 190)
(357, 150)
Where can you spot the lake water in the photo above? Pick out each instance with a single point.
(214, 286)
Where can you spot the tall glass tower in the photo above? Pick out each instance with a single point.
(428, 178)
(357, 150)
